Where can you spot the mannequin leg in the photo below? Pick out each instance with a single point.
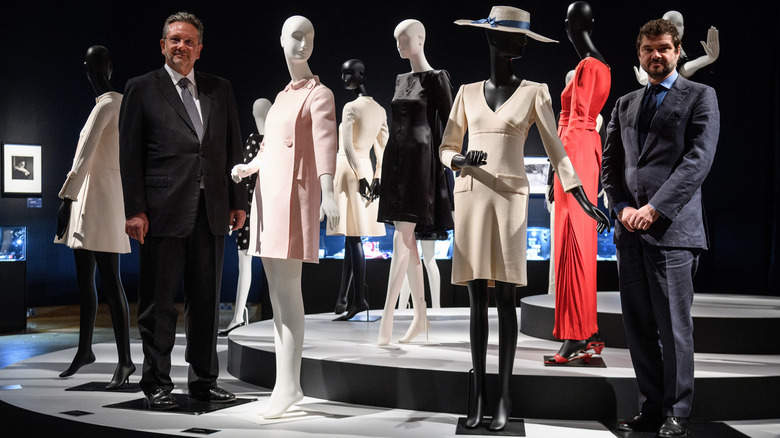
(478, 335)
(404, 253)
(108, 265)
(85, 276)
(358, 261)
(346, 280)
(284, 284)
(434, 277)
(242, 292)
(406, 292)
(420, 321)
(507, 344)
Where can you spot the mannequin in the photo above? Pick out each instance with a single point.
(492, 195)
(91, 219)
(576, 242)
(363, 126)
(295, 169)
(428, 247)
(686, 67)
(240, 313)
(414, 190)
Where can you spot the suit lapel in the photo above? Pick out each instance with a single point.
(168, 90)
(632, 113)
(205, 93)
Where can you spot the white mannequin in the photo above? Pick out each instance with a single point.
(410, 39)
(240, 313)
(434, 277)
(284, 275)
(687, 69)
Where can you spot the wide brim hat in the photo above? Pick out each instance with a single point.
(507, 19)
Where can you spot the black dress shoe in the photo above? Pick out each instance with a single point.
(641, 422)
(160, 400)
(223, 333)
(674, 427)
(215, 394)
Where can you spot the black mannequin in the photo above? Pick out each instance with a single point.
(98, 68)
(353, 272)
(504, 46)
(579, 25)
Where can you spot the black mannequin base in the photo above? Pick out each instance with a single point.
(514, 427)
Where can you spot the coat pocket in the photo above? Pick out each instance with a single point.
(463, 183)
(156, 181)
(511, 183)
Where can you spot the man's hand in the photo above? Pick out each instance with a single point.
(625, 215)
(237, 219)
(643, 218)
(136, 226)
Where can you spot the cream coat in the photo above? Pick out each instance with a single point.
(97, 215)
(491, 202)
(299, 146)
(363, 126)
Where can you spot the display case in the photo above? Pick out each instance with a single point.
(13, 271)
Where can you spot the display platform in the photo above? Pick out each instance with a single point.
(729, 324)
(342, 362)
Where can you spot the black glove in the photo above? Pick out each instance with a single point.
(63, 217)
(375, 189)
(590, 209)
(364, 189)
(471, 159)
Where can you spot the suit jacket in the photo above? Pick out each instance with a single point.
(162, 160)
(671, 167)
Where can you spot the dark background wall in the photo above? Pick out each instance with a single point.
(45, 97)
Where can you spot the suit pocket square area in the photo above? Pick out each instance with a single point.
(156, 181)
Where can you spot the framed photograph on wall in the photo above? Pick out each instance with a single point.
(536, 168)
(22, 170)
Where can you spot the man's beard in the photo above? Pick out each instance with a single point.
(664, 72)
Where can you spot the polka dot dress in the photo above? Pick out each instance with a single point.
(250, 151)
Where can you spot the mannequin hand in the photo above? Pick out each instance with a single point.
(63, 217)
(603, 195)
(375, 186)
(641, 76)
(712, 46)
(590, 209)
(329, 208)
(241, 171)
(364, 189)
(471, 159)
(237, 219)
(643, 218)
(136, 226)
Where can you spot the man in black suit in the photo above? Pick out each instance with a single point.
(178, 140)
(660, 145)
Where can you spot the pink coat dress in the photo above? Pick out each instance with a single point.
(299, 146)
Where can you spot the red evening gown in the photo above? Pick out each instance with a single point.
(576, 239)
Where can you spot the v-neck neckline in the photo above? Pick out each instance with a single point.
(484, 99)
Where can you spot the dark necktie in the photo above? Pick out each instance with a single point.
(192, 109)
(648, 107)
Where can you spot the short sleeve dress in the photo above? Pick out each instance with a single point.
(491, 201)
(414, 185)
(576, 239)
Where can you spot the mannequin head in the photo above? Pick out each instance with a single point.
(182, 41)
(353, 74)
(677, 19)
(260, 111)
(506, 44)
(410, 38)
(579, 20)
(297, 39)
(98, 67)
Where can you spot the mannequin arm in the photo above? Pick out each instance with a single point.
(590, 209)
(471, 159)
(63, 217)
(711, 50)
(241, 171)
(375, 186)
(641, 76)
(328, 207)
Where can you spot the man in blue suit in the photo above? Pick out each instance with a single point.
(660, 145)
